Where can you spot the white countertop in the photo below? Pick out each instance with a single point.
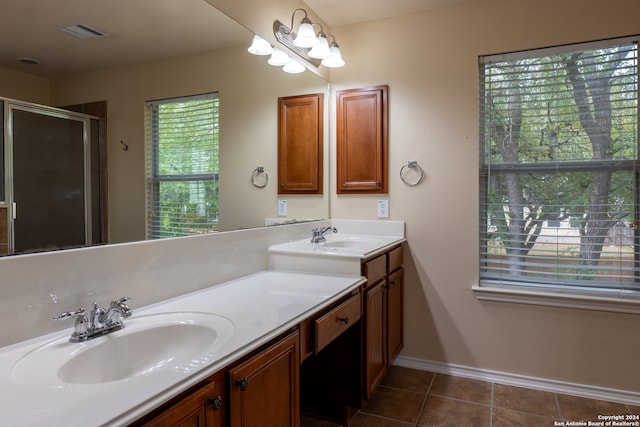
(259, 307)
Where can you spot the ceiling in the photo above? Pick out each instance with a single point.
(149, 29)
(342, 12)
(146, 30)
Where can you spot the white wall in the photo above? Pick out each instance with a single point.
(430, 62)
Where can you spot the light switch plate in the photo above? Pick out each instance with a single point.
(383, 208)
(282, 208)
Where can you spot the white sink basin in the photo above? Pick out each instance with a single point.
(147, 345)
(340, 253)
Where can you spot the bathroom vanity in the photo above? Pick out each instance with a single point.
(311, 335)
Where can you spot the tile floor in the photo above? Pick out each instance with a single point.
(409, 397)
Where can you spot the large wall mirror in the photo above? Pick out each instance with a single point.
(155, 50)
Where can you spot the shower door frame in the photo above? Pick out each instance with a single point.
(9, 106)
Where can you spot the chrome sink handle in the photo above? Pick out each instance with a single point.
(82, 325)
(317, 234)
(117, 311)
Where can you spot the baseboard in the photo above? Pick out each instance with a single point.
(582, 390)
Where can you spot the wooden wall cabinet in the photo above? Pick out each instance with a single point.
(300, 153)
(362, 140)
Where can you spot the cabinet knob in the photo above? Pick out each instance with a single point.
(216, 402)
(344, 320)
(378, 183)
(392, 283)
(243, 383)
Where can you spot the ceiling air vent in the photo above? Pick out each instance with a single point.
(82, 31)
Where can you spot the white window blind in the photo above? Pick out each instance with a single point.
(182, 166)
(558, 178)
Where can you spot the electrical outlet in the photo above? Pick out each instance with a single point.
(383, 208)
(282, 208)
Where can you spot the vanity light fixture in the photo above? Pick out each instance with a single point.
(306, 36)
(334, 60)
(321, 49)
(314, 48)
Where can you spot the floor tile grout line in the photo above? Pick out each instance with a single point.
(491, 407)
(560, 414)
(426, 396)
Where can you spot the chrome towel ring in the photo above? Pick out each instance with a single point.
(411, 173)
(259, 178)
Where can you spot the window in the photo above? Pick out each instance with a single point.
(559, 204)
(182, 166)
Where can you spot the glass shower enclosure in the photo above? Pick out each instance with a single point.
(47, 178)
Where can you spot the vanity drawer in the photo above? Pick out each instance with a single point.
(375, 269)
(394, 257)
(335, 322)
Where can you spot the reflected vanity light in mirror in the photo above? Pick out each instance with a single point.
(278, 58)
(293, 67)
(260, 46)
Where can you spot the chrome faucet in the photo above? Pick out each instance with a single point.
(99, 322)
(317, 234)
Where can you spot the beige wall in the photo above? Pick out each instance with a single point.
(248, 90)
(429, 61)
(23, 86)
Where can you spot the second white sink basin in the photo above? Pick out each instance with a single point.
(148, 344)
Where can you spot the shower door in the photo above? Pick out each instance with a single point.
(50, 195)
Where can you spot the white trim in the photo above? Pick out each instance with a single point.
(556, 299)
(506, 378)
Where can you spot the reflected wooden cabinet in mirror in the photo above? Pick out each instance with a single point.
(300, 144)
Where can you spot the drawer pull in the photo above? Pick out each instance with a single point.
(216, 402)
(344, 320)
(243, 383)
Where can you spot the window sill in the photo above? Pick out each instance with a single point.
(556, 299)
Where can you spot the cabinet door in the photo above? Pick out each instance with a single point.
(264, 389)
(395, 310)
(375, 337)
(300, 144)
(361, 140)
(204, 407)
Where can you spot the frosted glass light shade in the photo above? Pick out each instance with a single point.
(321, 49)
(306, 36)
(278, 58)
(260, 46)
(293, 67)
(335, 60)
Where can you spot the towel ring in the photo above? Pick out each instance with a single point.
(257, 172)
(412, 166)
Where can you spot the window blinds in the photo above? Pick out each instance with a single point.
(182, 166)
(558, 198)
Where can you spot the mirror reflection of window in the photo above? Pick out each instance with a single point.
(182, 166)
